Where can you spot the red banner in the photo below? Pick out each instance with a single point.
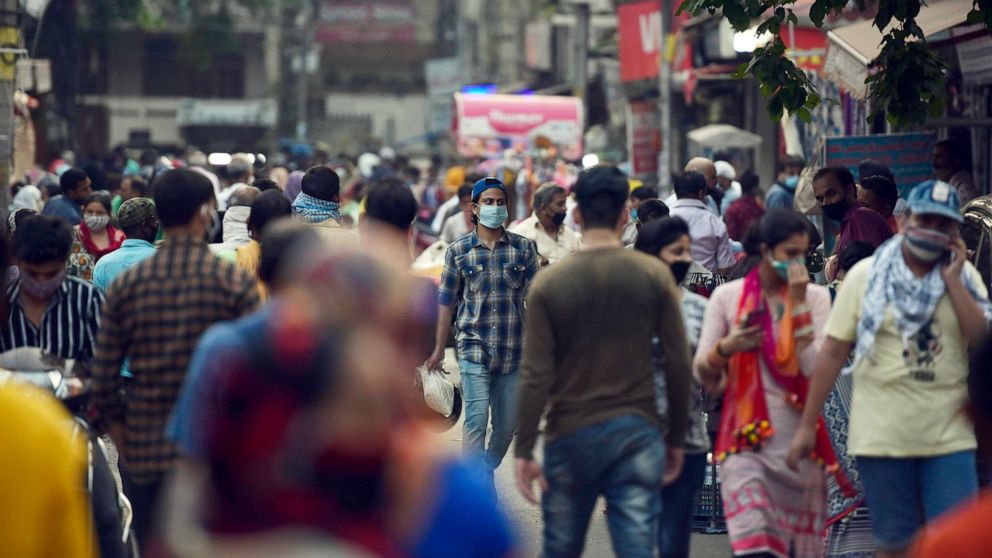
(640, 40)
(643, 138)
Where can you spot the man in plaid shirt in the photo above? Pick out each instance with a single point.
(483, 285)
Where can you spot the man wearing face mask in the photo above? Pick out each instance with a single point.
(554, 241)
(910, 313)
(154, 316)
(837, 194)
(59, 314)
(783, 192)
(485, 279)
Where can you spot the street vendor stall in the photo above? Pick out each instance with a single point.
(485, 125)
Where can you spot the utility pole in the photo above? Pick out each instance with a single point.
(581, 47)
(665, 97)
(308, 14)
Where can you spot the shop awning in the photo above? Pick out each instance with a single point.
(724, 136)
(853, 46)
(484, 125)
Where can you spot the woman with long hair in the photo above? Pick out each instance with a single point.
(760, 339)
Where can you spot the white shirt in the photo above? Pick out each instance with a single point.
(442, 212)
(454, 228)
(551, 249)
(710, 243)
(710, 204)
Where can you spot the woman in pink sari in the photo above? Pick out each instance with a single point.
(760, 338)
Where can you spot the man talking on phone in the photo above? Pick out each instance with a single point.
(910, 313)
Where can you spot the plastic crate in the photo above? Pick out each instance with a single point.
(708, 515)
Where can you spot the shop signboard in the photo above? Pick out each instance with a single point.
(372, 22)
(643, 138)
(640, 40)
(486, 124)
(444, 79)
(906, 155)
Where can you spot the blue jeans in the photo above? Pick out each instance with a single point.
(904, 493)
(678, 506)
(482, 390)
(620, 458)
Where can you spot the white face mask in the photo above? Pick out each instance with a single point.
(96, 222)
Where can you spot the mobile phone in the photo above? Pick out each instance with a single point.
(756, 317)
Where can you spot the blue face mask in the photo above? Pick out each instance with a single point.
(492, 216)
(782, 268)
(791, 182)
(633, 214)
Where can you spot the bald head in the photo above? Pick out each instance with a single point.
(705, 167)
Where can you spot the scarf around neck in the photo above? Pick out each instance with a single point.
(315, 210)
(913, 300)
(746, 423)
(114, 240)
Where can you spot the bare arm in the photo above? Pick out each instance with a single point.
(833, 355)
(971, 317)
(444, 317)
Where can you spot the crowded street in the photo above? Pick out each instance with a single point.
(496, 279)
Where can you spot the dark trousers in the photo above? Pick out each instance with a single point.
(144, 499)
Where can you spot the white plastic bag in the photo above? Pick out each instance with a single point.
(439, 392)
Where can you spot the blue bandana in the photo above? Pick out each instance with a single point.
(315, 210)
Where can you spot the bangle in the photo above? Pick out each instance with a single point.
(715, 360)
(800, 309)
(719, 352)
(801, 320)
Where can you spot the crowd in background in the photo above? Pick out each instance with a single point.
(248, 336)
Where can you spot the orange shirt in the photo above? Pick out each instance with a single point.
(963, 533)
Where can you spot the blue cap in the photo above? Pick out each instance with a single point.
(935, 197)
(486, 184)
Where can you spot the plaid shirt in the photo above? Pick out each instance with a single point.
(154, 315)
(488, 288)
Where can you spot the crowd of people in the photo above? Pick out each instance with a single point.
(249, 336)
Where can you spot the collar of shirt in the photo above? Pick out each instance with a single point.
(183, 242)
(854, 207)
(695, 204)
(136, 243)
(476, 241)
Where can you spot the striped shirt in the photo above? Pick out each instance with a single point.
(67, 329)
(488, 287)
(154, 315)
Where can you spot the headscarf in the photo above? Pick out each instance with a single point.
(115, 237)
(315, 210)
(745, 422)
(293, 185)
(912, 300)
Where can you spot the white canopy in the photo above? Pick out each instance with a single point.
(724, 136)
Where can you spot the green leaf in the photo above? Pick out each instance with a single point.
(804, 115)
(812, 101)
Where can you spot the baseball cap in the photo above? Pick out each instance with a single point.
(135, 211)
(601, 179)
(484, 184)
(935, 197)
(725, 170)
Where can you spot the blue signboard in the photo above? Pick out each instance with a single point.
(906, 155)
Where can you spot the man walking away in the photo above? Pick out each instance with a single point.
(154, 315)
(710, 241)
(139, 222)
(76, 187)
(483, 285)
(319, 205)
(588, 359)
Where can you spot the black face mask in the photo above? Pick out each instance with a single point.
(680, 269)
(836, 211)
(558, 218)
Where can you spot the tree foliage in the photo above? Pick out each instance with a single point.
(906, 81)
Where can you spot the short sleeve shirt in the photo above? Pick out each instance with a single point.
(908, 399)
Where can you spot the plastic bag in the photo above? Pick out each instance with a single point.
(439, 391)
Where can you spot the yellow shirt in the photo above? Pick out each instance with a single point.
(249, 257)
(44, 509)
(908, 400)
